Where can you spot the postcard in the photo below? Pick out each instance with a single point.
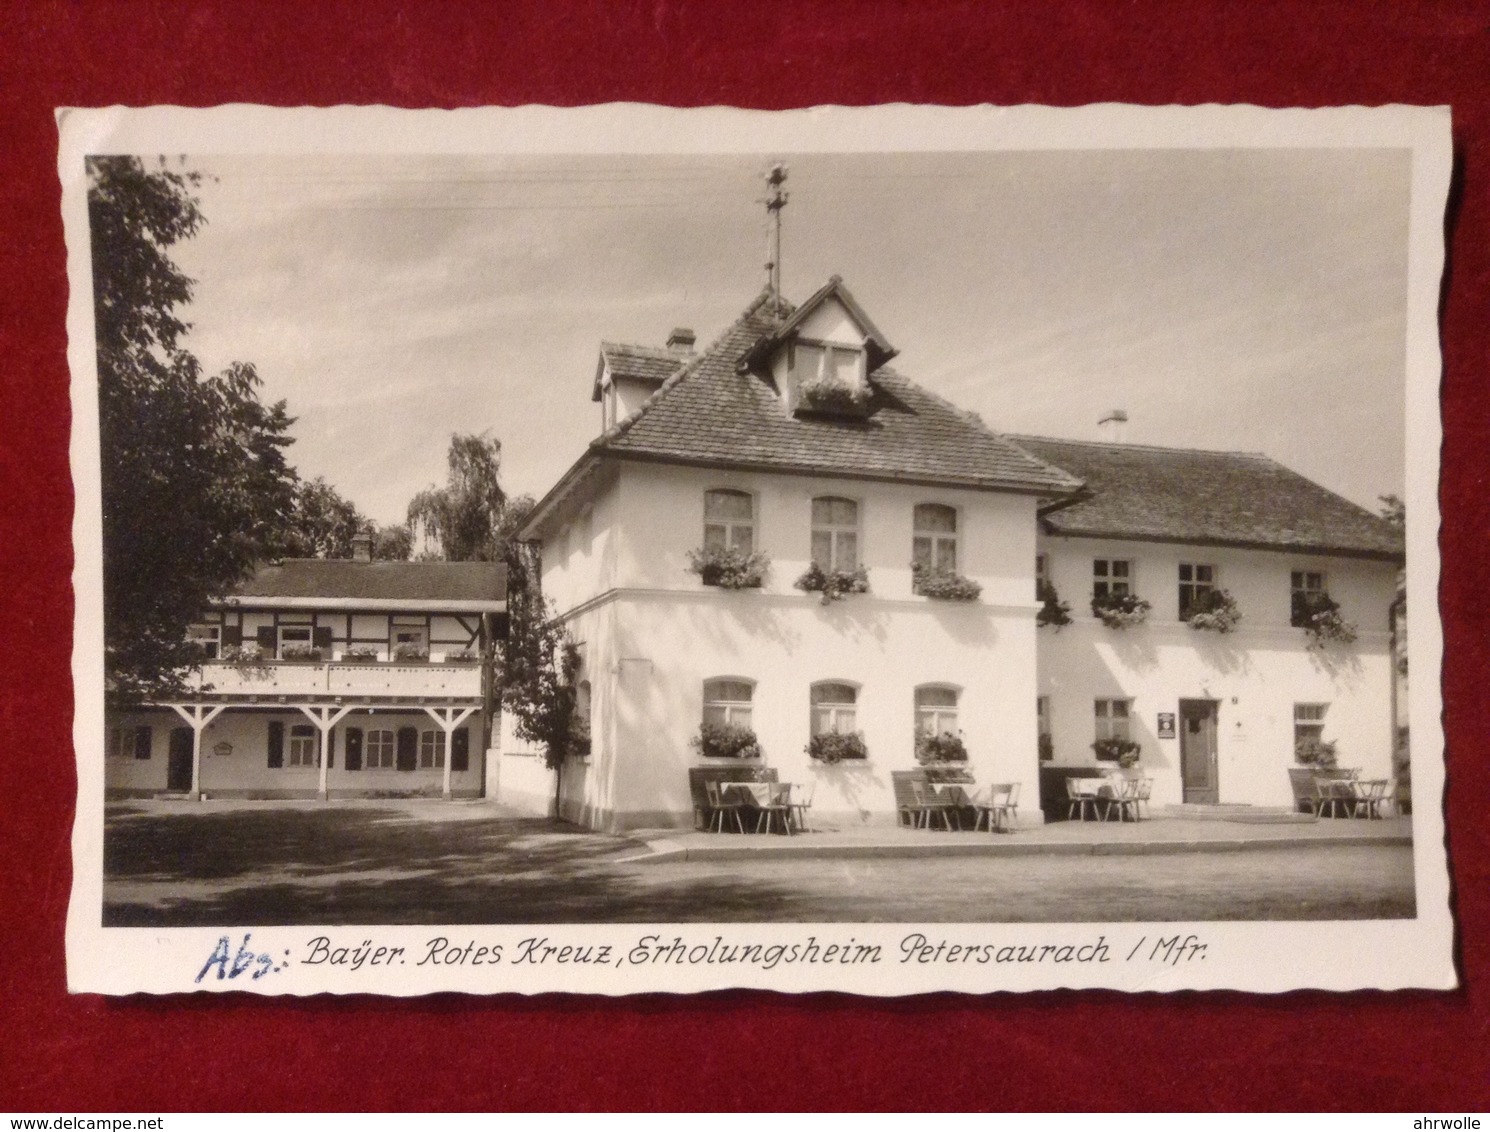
(883, 550)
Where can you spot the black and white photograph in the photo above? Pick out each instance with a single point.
(881, 550)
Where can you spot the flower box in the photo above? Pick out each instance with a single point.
(830, 395)
(837, 746)
(728, 568)
(943, 585)
(464, 656)
(1124, 752)
(301, 652)
(1214, 611)
(1318, 614)
(726, 741)
(1316, 753)
(1120, 611)
(360, 655)
(945, 747)
(409, 654)
(833, 584)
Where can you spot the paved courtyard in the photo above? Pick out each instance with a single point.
(426, 862)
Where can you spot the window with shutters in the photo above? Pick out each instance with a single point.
(304, 745)
(835, 533)
(378, 749)
(408, 635)
(432, 750)
(128, 743)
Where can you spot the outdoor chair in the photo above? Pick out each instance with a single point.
(1084, 792)
(773, 800)
(799, 798)
(928, 803)
(1369, 796)
(1334, 793)
(722, 803)
(1000, 802)
(1128, 796)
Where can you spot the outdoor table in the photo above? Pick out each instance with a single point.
(768, 798)
(955, 796)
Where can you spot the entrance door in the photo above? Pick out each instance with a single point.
(1198, 751)
(178, 766)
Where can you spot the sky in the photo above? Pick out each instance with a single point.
(1250, 300)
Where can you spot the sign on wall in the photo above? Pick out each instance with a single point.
(1166, 725)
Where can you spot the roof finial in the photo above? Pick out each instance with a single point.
(775, 201)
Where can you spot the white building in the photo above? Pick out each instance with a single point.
(326, 678)
(790, 437)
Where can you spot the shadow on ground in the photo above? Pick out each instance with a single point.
(369, 866)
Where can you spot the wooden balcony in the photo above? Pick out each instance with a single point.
(298, 681)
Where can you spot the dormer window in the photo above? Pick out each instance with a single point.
(813, 362)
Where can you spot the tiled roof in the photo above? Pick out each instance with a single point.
(709, 413)
(639, 363)
(1191, 496)
(378, 582)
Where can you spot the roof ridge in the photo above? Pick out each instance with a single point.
(1016, 437)
(978, 422)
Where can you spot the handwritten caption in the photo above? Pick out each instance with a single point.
(230, 963)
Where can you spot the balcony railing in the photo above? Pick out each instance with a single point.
(309, 678)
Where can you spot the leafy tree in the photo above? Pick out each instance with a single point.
(195, 486)
(1393, 510)
(393, 542)
(322, 524)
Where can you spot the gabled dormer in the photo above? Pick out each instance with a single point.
(822, 358)
(625, 376)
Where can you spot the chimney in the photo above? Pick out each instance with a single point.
(681, 340)
(1113, 427)
(362, 547)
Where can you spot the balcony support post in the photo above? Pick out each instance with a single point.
(449, 718)
(198, 715)
(325, 718)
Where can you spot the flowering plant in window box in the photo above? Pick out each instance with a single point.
(833, 584)
(1120, 611)
(726, 741)
(1124, 752)
(245, 658)
(943, 585)
(408, 651)
(1215, 611)
(836, 746)
(830, 395)
(1319, 753)
(360, 654)
(300, 652)
(1053, 611)
(1318, 614)
(729, 568)
(462, 656)
(579, 737)
(943, 747)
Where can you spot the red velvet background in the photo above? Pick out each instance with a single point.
(1063, 1050)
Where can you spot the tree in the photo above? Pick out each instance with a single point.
(322, 524)
(195, 486)
(393, 542)
(1393, 510)
(470, 519)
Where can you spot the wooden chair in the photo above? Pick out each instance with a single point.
(928, 802)
(772, 802)
(999, 802)
(1084, 792)
(1369, 796)
(723, 802)
(800, 801)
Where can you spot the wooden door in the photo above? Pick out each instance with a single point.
(178, 765)
(1198, 751)
(407, 749)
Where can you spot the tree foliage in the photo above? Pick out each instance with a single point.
(470, 518)
(195, 485)
(321, 523)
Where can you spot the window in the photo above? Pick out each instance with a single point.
(608, 406)
(834, 708)
(378, 751)
(1196, 584)
(934, 541)
(295, 636)
(1042, 723)
(411, 632)
(125, 743)
(1308, 723)
(1112, 719)
(1112, 577)
(431, 750)
(728, 701)
(1042, 575)
(936, 710)
(208, 638)
(818, 361)
(729, 521)
(835, 533)
(1309, 593)
(304, 745)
